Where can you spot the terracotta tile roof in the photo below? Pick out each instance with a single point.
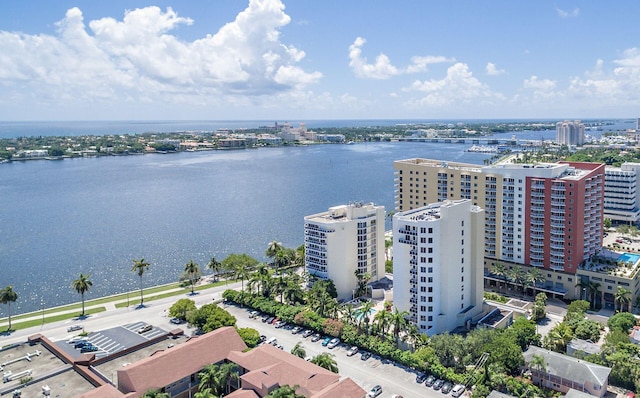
(166, 367)
(243, 394)
(269, 367)
(345, 388)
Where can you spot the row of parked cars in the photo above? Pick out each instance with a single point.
(445, 387)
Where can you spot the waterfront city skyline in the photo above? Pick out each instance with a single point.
(284, 60)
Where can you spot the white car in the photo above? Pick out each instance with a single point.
(374, 392)
(334, 342)
(352, 351)
(457, 390)
(73, 328)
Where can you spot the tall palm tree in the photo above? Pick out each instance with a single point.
(583, 286)
(399, 322)
(140, 266)
(622, 297)
(155, 393)
(215, 266)
(538, 363)
(535, 276)
(321, 303)
(594, 288)
(362, 313)
(82, 285)
(205, 393)
(192, 269)
(518, 276)
(241, 273)
(326, 361)
(347, 312)
(383, 320)
(8, 296)
(500, 270)
(273, 248)
(298, 350)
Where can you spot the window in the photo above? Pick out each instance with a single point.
(430, 230)
(430, 299)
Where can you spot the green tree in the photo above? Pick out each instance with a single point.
(155, 393)
(533, 277)
(285, 391)
(538, 363)
(524, 332)
(250, 336)
(399, 323)
(82, 285)
(191, 269)
(298, 350)
(501, 271)
(8, 296)
(363, 314)
(383, 320)
(622, 298)
(241, 265)
(181, 308)
(622, 321)
(216, 267)
(205, 393)
(210, 317)
(216, 377)
(139, 267)
(273, 248)
(326, 361)
(518, 276)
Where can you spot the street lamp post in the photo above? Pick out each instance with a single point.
(584, 293)
(42, 307)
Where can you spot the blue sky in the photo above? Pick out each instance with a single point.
(311, 59)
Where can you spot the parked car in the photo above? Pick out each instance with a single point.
(326, 341)
(262, 339)
(254, 314)
(438, 384)
(73, 328)
(365, 355)
(396, 396)
(457, 390)
(273, 341)
(280, 324)
(374, 392)
(296, 330)
(88, 348)
(352, 351)
(420, 378)
(270, 319)
(76, 339)
(446, 387)
(176, 321)
(81, 344)
(334, 342)
(307, 333)
(265, 317)
(145, 328)
(430, 380)
(274, 321)
(281, 347)
(316, 337)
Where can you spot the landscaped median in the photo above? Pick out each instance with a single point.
(70, 311)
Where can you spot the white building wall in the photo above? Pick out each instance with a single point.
(438, 264)
(352, 239)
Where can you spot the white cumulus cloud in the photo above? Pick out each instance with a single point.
(382, 68)
(138, 58)
(568, 14)
(492, 70)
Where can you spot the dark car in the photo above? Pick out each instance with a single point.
(326, 341)
(430, 380)
(81, 344)
(270, 319)
(365, 355)
(438, 384)
(265, 317)
(89, 348)
(420, 378)
(446, 387)
(262, 339)
(316, 337)
(307, 333)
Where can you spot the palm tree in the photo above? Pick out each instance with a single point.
(192, 269)
(241, 273)
(383, 320)
(362, 313)
(538, 363)
(347, 312)
(500, 270)
(326, 361)
(594, 288)
(535, 276)
(206, 393)
(215, 378)
(517, 276)
(298, 350)
(321, 303)
(8, 296)
(622, 297)
(82, 285)
(140, 266)
(215, 266)
(583, 286)
(399, 322)
(273, 249)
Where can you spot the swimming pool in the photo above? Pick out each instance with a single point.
(629, 258)
(371, 312)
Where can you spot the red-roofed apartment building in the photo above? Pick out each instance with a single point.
(262, 370)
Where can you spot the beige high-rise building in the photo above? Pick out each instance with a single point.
(547, 216)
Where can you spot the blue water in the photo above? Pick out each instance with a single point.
(61, 218)
(629, 257)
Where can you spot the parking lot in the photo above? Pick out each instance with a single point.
(110, 341)
(393, 378)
